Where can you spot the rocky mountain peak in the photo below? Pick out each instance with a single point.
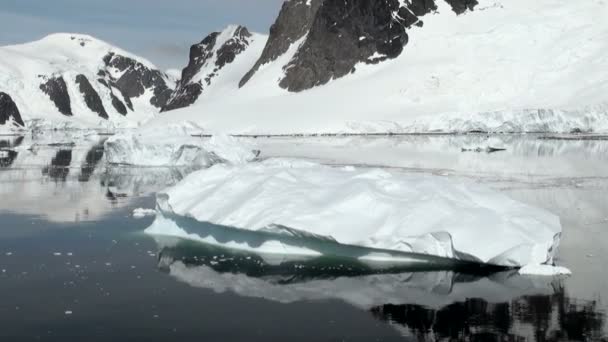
(294, 21)
(207, 58)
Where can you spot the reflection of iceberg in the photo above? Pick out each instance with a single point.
(291, 280)
(302, 208)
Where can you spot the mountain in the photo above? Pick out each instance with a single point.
(395, 66)
(218, 60)
(79, 80)
(332, 66)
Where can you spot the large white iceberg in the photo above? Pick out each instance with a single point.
(378, 210)
(175, 145)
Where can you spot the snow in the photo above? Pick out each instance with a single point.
(544, 270)
(175, 145)
(512, 66)
(65, 55)
(381, 211)
(142, 212)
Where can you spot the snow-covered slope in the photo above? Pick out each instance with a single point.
(448, 65)
(216, 65)
(81, 80)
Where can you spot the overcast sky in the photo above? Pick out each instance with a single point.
(160, 30)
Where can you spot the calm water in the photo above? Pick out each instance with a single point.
(75, 264)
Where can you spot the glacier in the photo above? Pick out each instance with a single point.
(286, 206)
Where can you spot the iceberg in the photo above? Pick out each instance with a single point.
(175, 145)
(286, 206)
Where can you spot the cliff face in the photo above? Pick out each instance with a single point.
(345, 33)
(294, 22)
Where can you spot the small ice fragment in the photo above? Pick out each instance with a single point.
(108, 264)
(141, 213)
(544, 270)
(57, 254)
(9, 253)
(70, 254)
(68, 312)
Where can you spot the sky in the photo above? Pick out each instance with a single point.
(159, 30)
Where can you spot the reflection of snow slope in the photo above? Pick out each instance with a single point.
(291, 281)
(526, 156)
(369, 208)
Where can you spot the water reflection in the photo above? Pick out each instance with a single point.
(59, 168)
(91, 161)
(552, 317)
(64, 178)
(430, 306)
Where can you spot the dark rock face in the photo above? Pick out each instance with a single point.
(461, 6)
(8, 110)
(345, 33)
(91, 97)
(201, 55)
(57, 91)
(294, 21)
(118, 105)
(137, 78)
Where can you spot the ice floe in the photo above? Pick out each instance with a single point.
(297, 207)
(175, 146)
(544, 270)
(142, 212)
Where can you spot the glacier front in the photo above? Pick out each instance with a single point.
(380, 213)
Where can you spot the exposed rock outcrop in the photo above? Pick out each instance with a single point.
(136, 78)
(57, 91)
(207, 58)
(91, 97)
(345, 33)
(294, 22)
(9, 110)
(461, 6)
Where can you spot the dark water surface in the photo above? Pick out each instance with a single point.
(75, 265)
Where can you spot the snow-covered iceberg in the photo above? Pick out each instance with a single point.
(175, 145)
(297, 207)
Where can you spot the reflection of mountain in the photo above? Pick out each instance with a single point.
(552, 317)
(63, 177)
(291, 280)
(59, 168)
(428, 306)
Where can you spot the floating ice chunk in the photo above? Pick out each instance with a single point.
(141, 212)
(544, 270)
(378, 210)
(174, 146)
